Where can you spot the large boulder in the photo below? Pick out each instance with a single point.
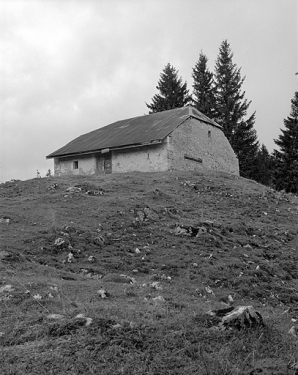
(238, 317)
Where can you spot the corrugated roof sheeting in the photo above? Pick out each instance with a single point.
(133, 131)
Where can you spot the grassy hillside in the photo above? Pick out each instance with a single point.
(166, 248)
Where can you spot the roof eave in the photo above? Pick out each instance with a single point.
(142, 144)
(213, 123)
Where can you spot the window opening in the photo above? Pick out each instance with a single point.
(197, 160)
(76, 165)
(209, 133)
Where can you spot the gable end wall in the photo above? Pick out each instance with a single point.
(198, 140)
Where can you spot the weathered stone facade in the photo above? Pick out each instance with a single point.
(193, 145)
(144, 159)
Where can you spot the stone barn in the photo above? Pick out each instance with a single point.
(177, 139)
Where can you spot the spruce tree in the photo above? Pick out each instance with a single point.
(173, 92)
(203, 87)
(231, 109)
(286, 159)
(262, 171)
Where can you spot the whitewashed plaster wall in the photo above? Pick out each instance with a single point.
(65, 165)
(144, 159)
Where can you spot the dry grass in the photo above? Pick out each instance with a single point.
(247, 248)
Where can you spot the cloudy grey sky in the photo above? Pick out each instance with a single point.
(69, 67)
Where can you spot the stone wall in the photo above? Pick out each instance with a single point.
(195, 145)
(144, 159)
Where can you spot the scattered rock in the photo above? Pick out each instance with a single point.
(53, 186)
(179, 231)
(103, 293)
(293, 331)
(209, 290)
(94, 192)
(158, 277)
(88, 321)
(247, 247)
(156, 285)
(55, 316)
(150, 214)
(236, 317)
(59, 243)
(158, 299)
(140, 216)
(37, 296)
(131, 280)
(73, 189)
(184, 230)
(146, 214)
(7, 288)
(90, 274)
(68, 277)
(70, 257)
(5, 220)
(99, 240)
(91, 259)
(228, 300)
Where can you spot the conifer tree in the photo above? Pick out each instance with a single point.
(173, 92)
(203, 87)
(262, 171)
(286, 159)
(231, 109)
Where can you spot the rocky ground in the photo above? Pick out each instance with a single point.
(117, 274)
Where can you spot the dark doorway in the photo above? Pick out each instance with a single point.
(107, 163)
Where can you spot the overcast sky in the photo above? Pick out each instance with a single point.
(69, 67)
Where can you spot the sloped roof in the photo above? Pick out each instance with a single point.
(132, 132)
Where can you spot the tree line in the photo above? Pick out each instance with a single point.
(219, 96)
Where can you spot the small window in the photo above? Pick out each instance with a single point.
(75, 165)
(197, 160)
(209, 133)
